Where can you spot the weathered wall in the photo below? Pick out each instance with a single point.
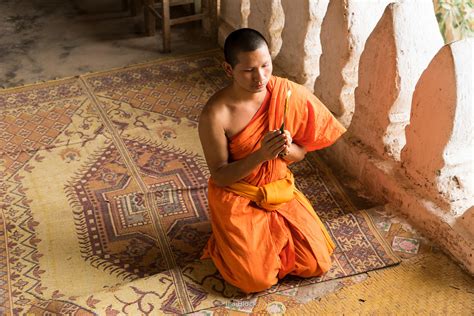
(398, 50)
(233, 15)
(267, 17)
(344, 31)
(440, 143)
(410, 120)
(433, 184)
(301, 47)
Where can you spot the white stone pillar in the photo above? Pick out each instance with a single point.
(301, 45)
(344, 31)
(244, 13)
(398, 50)
(439, 154)
(233, 15)
(267, 17)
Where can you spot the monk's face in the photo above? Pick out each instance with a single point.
(253, 71)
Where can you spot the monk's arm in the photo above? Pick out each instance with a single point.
(215, 146)
(295, 153)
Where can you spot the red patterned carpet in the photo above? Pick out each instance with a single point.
(103, 197)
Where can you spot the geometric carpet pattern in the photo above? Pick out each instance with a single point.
(103, 196)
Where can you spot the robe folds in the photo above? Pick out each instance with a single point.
(263, 228)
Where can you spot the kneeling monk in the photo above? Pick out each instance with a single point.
(263, 228)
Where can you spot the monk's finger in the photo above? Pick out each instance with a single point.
(288, 137)
(276, 133)
(286, 148)
(277, 141)
(277, 147)
(282, 153)
(269, 136)
(276, 152)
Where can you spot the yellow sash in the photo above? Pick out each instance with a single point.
(273, 195)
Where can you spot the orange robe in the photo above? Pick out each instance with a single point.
(262, 227)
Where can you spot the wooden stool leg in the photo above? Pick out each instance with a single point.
(149, 18)
(206, 21)
(135, 7)
(197, 6)
(210, 20)
(166, 27)
(125, 5)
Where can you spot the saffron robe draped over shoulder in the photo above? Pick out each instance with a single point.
(263, 228)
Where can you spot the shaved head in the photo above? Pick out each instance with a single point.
(242, 40)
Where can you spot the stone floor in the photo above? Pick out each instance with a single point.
(44, 40)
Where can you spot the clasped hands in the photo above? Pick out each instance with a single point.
(275, 144)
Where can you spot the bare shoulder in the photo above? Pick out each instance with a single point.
(212, 130)
(215, 111)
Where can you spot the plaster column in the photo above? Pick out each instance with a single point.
(344, 31)
(266, 16)
(398, 50)
(301, 47)
(439, 154)
(233, 15)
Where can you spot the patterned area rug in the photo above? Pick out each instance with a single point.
(103, 197)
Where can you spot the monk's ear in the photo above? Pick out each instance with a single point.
(227, 68)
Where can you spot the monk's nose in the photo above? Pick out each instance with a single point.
(259, 76)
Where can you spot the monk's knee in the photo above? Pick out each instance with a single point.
(256, 283)
(307, 268)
